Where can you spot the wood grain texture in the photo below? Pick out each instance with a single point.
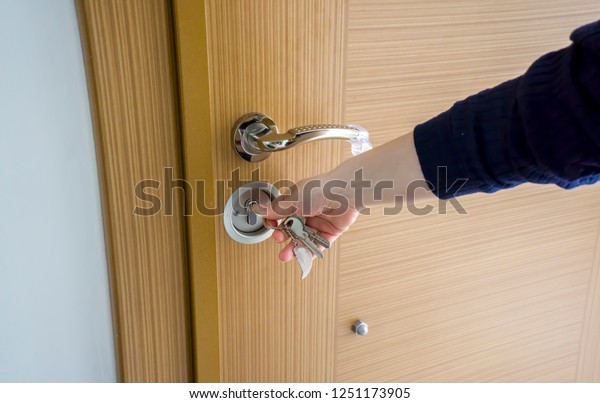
(500, 294)
(130, 62)
(588, 368)
(194, 95)
(285, 59)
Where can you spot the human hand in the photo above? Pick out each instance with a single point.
(329, 218)
(331, 213)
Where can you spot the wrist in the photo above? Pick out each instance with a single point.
(340, 182)
(379, 176)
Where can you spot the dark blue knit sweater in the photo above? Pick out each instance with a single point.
(542, 127)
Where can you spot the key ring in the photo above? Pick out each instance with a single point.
(269, 226)
(281, 225)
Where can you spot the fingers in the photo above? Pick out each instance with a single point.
(286, 205)
(279, 236)
(266, 211)
(298, 199)
(287, 253)
(279, 208)
(323, 227)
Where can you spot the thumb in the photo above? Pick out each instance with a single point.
(276, 209)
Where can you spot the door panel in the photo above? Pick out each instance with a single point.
(134, 107)
(284, 59)
(498, 295)
(495, 295)
(508, 292)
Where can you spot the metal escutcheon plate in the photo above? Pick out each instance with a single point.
(244, 129)
(235, 216)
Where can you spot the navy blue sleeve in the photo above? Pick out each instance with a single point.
(542, 127)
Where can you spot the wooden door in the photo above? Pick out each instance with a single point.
(508, 292)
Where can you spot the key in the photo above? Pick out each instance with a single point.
(314, 236)
(296, 229)
(318, 238)
(302, 238)
(251, 218)
(302, 254)
(311, 233)
(304, 259)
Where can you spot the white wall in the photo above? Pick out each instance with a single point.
(55, 319)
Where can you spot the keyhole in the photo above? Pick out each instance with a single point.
(251, 217)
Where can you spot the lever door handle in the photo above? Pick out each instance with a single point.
(255, 136)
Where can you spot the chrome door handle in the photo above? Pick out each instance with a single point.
(256, 136)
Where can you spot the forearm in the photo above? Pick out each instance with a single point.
(388, 172)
